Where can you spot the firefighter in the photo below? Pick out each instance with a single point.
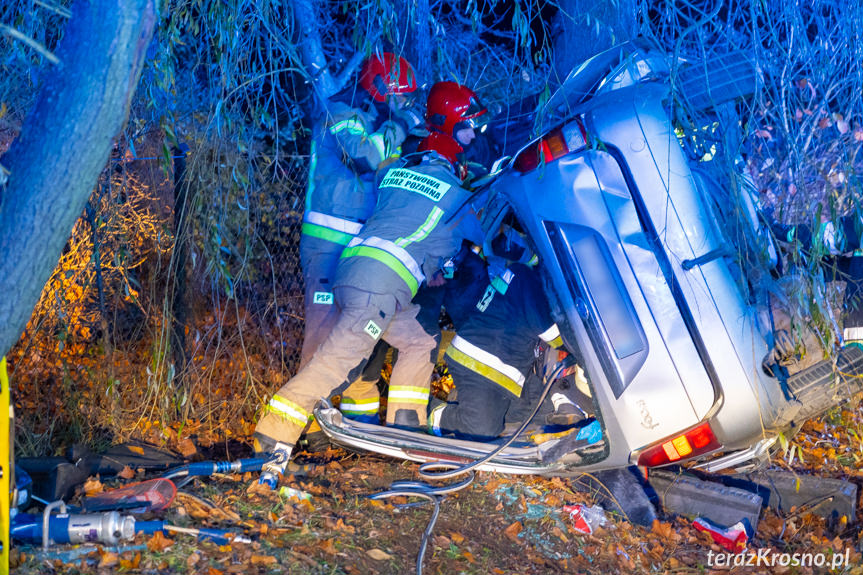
(491, 357)
(417, 225)
(362, 129)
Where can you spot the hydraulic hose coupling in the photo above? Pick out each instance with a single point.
(276, 466)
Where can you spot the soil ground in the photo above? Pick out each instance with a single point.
(499, 524)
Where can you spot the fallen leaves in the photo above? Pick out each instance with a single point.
(328, 546)
(158, 542)
(130, 561)
(263, 560)
(378, 554)
(663, 529)
(126, 473)
(93, 486)
(107, 559)
(512, 531)
(192, 560)
(187, 448)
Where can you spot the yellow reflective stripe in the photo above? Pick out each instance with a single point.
(424, 230)
(484, 370)
(288, 410)
(358, 408)
(380, 145)
(434, 419)
(360, 401)
(418, 389)
(405, 394)
(556, 342)
(388, 260)
(393, 256)
(354, 126)
(550, 334)
(487, 358)
(328, 234)
(513, 385)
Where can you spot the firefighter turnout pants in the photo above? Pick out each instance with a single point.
(363, 319)
(319, 259)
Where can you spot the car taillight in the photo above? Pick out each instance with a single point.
(555, 144)
(691, 443)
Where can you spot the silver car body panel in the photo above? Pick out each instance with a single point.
(663, 347)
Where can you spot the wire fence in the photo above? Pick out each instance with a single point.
(100, 355)
(145, 326)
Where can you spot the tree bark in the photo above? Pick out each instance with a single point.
(64, 145)
(311, 49)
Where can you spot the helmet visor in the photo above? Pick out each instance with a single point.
(476, 115)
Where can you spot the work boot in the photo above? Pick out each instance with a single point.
(263, 444)
(566, 411)
(314, 439)
(407, 419)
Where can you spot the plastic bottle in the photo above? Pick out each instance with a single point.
(586, 519)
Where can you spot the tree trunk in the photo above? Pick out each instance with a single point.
(63, 146)
(583, 28)
(415, 38)
(311, 49)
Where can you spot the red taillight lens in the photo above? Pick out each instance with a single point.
(691, 443)
(555, 144)
(528, 159)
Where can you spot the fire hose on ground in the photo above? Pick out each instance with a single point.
(440, 470)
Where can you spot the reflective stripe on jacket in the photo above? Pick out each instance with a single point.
(497, 339)
(406, 239)
(486, 364)
(330, 228)
(346, 151)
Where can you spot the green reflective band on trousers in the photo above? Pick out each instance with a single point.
(388, 260)
(328, 234)
(482, 369)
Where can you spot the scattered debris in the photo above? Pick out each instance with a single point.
(689, 496)
(299, 494)
(586, 519)
(732, 538)
(825, 497)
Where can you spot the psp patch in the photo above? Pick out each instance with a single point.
(323, 297)
(402, 178)
(484, 302)
(372, 329)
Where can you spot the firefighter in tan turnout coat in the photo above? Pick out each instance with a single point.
(403, 244)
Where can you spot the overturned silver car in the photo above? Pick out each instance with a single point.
(645, 281)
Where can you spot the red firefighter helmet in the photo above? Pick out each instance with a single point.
(386, 74)
(451, 104)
